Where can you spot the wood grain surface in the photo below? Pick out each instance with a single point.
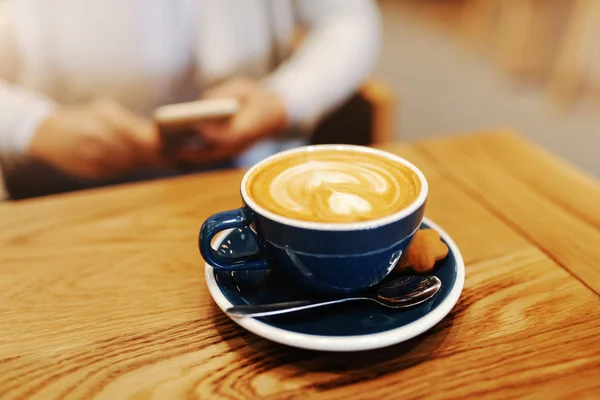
(548, 202)
(102, 292)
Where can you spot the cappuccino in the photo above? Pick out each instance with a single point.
(333, 186)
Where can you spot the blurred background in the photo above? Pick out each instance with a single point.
(446, 67)
(529, 65)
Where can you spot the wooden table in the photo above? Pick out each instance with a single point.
(102, 293)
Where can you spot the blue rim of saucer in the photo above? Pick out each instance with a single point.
(348, 327)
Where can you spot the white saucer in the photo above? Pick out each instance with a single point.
(354, 342)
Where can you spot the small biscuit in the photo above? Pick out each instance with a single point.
(426, 249)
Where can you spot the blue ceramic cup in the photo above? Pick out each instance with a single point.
(330, 258)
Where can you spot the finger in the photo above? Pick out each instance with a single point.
(119, 154)
(213, 132)
(100, 146)
(99, 157)
(246, 124)
(138, 134)
(146, 137)
(117, 123)
(242, 128)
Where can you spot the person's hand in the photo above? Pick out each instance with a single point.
(95, 141)
(262, 114)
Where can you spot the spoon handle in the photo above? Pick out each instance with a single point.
(264, 310)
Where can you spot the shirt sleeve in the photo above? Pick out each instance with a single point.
(21, 110)
(21, 113)
(340, 50)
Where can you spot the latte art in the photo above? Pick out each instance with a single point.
(334, 186)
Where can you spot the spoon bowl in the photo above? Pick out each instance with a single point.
(407, 291)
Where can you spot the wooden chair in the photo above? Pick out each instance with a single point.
(545, 40)
(367, 118)
(569, 69)
(478, 23)
(549, 40)
(383, 103)
(514, 33)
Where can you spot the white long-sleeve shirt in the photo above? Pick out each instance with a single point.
(146, 53)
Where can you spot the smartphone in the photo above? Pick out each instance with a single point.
(177, 123)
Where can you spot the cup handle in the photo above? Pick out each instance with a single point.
(220, 222)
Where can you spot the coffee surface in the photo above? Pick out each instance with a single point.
(333, 186)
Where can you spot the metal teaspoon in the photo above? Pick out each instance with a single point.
(403, 292)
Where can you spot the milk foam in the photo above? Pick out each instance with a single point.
(333, 186)
(346, 188)
(346, 203)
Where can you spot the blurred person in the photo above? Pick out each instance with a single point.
(80, 79)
